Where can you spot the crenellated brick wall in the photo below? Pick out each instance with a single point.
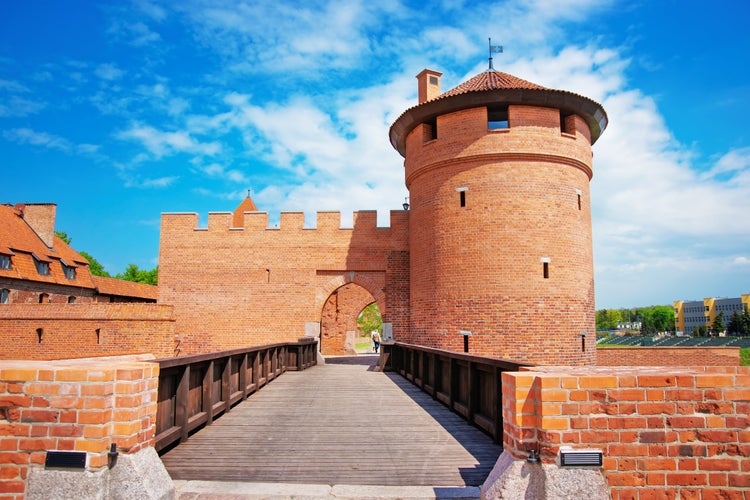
(73, 405)
(665, 432)
(667, 356)
(265, 283)
(59, 331)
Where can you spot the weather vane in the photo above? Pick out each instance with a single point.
(494, 49)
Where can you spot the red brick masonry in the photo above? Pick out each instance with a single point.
(82, 405)
(668, 356)
(85, 330)
(665, 432)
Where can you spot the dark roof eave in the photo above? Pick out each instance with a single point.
(592, 112)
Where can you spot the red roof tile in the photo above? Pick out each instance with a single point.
(20, 241)
(122, 288)
(492, 80)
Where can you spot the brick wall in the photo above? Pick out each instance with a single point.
(72, 405)
(266, 284)
(21, 291)
(479, 267)
(664, 432)
(667, 356)
(85, 330)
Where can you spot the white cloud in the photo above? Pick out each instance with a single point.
(161, 143)
(109, 72)
(34, 138)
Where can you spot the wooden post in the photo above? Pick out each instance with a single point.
(497, 391)
(208, 392)
(437, 375)
(471, 399)
(243, 376)
(181, 403)
(226, 390)
(453, 384)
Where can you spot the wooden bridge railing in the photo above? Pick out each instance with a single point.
(469, 385)
(196, 390)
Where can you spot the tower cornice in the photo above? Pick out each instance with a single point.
(591, 111)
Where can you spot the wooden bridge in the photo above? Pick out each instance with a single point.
(338, 423)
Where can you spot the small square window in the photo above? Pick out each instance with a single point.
(4, 296)
(41, 267)
(497, 118)
(5, 263)
(69, 272)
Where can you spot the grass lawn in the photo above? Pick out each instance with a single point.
(745, 356)
(363, 345)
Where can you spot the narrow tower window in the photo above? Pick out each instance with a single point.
(429, 130)
(545, 267)
(39, 334)
(462, 195)
(580, 194)
(497, 117)
(567, 124)
(98, 336)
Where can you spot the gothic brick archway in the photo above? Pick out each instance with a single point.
(339, 315)
(373, 282)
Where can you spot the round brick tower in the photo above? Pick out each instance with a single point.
(501, 262)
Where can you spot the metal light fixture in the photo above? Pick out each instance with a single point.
(406, 203)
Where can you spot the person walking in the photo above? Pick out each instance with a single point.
(375, 336)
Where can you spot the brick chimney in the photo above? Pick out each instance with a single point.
(429, 85)
(41, 218)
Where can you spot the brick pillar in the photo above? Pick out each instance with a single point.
(80, 405)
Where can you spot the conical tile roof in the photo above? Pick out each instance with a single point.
(492, 80)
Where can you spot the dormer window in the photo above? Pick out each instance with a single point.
(5, 263)
(42, 267)
(68, 271)
(497, 118)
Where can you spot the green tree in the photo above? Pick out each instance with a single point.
(607, 319)
(746, 323)
(63, 236)
(648, 327)
(94, 266)
(718, 324)
(699, 331)
(734, 327)
(133, 273)
(370, 319)
(663, 318)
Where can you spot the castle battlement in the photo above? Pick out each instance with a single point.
(362, 220)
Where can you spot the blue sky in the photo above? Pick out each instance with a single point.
(119, 111)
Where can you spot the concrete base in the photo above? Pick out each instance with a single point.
(513, 479)
(140, 475)
(203, 490)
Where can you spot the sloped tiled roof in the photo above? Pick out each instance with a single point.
(122, 288)
(20, 241)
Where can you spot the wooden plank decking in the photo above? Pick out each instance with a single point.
(338, 424)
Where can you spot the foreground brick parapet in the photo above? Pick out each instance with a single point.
(665, 432)
(667, 356)
(73, 405)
